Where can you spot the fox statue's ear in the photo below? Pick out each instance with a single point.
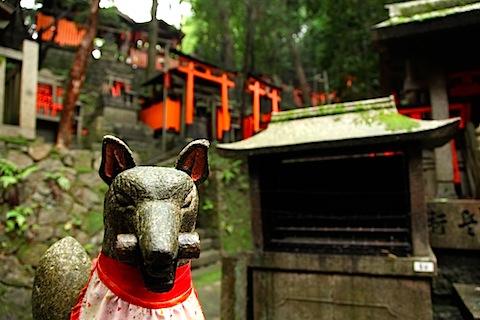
(116, 157)
(193, 160)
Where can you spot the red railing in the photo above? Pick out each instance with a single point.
(45, 104)
(458, 109)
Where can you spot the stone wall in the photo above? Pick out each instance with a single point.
(62, 195)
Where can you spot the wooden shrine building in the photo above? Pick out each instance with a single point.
(339, 220)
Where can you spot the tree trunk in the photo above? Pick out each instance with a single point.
(247, 56)
(227, 36)
(302, 79)
(152, 41)
(77, 77)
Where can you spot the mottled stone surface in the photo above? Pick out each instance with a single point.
(453, 224)
(82, 158)
(39, 151)
(62, 273)
(21, 159)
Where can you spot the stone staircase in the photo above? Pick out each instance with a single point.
(209, 254)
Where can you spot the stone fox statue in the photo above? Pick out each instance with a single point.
(143, 270)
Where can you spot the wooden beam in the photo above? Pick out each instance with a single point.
(256, 106)
(10, 53)
(189, 94)
(207, 75)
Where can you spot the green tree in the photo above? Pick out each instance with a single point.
(289, 36)
(347, 53)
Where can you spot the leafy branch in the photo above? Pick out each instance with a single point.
(10, 178)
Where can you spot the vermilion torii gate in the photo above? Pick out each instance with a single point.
(207, 72)
(191, 81)
(257, 121)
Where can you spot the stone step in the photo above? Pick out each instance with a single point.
(206, 244)
(469, 296)
(207, 269)
(206, 258)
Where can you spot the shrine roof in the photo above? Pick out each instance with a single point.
(349, 124)
(419, 11)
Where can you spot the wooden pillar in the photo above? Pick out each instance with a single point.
(275, 100)
(219, 123)
(3, 68)
(189, 108)
(28, 88)
(419, 222)
(256, 107)
(443, 155)
(213, 107)
(225, 111)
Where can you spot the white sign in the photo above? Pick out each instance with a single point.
(423, 266)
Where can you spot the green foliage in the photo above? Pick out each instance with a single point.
(231, 172)
(59, 179)
(11, 175)
(231, 204)
(93, 222)
(208, 205)
(89, 98)
(208, 277)
(84, 169)
(17, 219)
(89, 247)
(18, 141)
(331, 35)
(110, 17)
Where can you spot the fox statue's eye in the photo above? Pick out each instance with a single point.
(187, 202)
(123, 199)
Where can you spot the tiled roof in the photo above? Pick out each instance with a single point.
(68, 32)
(366, 122)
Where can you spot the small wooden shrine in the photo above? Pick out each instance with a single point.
(339, 219)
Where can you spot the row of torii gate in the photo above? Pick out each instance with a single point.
(198, 92)
(191, 84)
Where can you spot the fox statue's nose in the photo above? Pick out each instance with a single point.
(157, 225)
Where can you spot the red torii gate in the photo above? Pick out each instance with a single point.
(195, 68)
(260, 88)
(190, 68)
